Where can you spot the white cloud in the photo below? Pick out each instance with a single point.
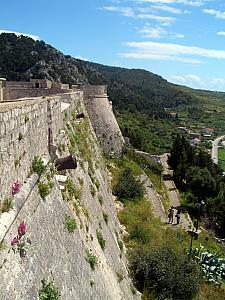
(221, 33)
(34, 37)
(189, 80)
(81, 57)
(171, 52)
(135, 13)
(155, 56)
(158, 33)
(195, 3)
(125, 11)
(218, 84)
(218, 14)
(163, 20)
(168, 9)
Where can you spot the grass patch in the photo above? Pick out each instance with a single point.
(100, 199)
(91, 259)
(101, 240)
(38, 165)
(7, 205)
(70, 224)
(48, 291)
(45, 189)
(221, 158)
(105, 217)
(120, 276)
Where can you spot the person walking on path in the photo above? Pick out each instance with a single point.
(178, 215)
(170, 215)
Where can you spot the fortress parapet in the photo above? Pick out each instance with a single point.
(11, 90)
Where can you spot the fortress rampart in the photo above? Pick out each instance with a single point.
(30, 127)
(103, 120)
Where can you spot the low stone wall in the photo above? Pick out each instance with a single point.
(12, 93)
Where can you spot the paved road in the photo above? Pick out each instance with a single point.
(215, 148)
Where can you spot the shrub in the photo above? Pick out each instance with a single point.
(100, 239)
(71, 188)
(120, 243)
(105, 217)
(70, 224)
(91, 259)
(128, 187)
(169, 274)
(48, 291)
(120, 276)
(44, 189)
(20, 137)
(26, 119)
(100, 199)
(6, 205)
(38, 165)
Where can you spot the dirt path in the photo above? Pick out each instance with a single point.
(154, 198)
(173, 193)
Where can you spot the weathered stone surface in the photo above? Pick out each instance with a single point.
(55, 254)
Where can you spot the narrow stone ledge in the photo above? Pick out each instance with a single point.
(7, 218)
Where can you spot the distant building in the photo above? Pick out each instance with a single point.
(207, 131)
(183, 129)
(195, 142)
(173, 115)
(195, 135)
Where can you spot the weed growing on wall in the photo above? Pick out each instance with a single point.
(48, 291)
(120, 276)
(2, 245)
(44, 189)
(6, 205)
(91, 259)
(100, 239)
(20, 137)
(92, 190)
(71, 188)
(105, 217)
(120, 243)
(70, 224)
(100, 199)
(26, 119)
(38, 165)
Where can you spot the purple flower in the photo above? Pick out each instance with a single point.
(15, 188)
(22, 229)
(15, 240)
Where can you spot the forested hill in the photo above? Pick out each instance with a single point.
(139, 90)
(22, 58)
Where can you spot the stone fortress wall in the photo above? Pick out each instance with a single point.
(12, 90)
(103, 120)
(24, 132)
(29, 127)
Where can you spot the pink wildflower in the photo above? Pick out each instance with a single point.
(22, 229)
(15, 188)
(15, 240)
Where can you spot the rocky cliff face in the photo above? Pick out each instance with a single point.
(87, 262)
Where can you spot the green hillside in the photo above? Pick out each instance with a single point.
(143, 101)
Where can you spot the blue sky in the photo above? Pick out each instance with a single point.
(181, 40)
